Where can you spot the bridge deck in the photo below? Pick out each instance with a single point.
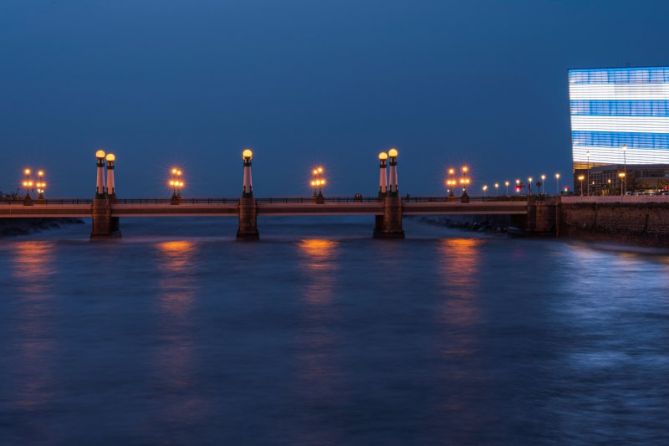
(269, 207)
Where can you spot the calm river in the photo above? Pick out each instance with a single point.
(320, 335)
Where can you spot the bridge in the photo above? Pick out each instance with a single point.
(387, 207)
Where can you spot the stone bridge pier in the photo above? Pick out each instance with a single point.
(103, 225)
(389, 225)
(248, 211)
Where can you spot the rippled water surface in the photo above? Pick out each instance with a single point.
(319, 335)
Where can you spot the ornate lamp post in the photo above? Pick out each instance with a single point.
(557, 184)
(580, 180)
(27, 183)
(40, 185)
(317, 184)
(465, 181)
(622, 176)
(451, 182)
(177, 184)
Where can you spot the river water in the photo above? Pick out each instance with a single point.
(320, 335)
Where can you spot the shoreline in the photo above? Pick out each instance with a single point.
(16, 227)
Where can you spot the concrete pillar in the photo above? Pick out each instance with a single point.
(383, 174)
(111, 184)
(392, 183)
(100, 180)
(247, 185)
(391, 226)
(383, 190)
(104, 226)
(248, 213)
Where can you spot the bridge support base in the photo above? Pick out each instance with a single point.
(389, 225)
(104, 226)
(248, 219)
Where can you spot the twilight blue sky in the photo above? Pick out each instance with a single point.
(190, 82)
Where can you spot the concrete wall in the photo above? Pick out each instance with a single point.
(640, 220)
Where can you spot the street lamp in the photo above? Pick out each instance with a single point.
(507, 183)
(543, 184)
(451, 182)
(529, 185)
(465, 181)
(557, 183)
(518, 186)
(317, 183)
(177, 184)
(497, 189)
(40, 185)
(588, 154)
(485, 189)
(622, 176)
(580, 179)
(27, 183)
(625, 157)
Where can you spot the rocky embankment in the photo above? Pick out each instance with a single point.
(494, 223)
(12, 227)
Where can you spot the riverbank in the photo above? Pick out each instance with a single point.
(478, 223)
(14, 227)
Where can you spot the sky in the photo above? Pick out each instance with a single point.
(302, 82)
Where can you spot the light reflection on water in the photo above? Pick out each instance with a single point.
(303, 338)
(33, 270)
(317, 361)
(174, 357)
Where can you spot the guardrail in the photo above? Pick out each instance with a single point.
(268, 200)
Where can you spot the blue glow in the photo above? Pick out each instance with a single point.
(649, 75)
(649, 108)
(617, 139)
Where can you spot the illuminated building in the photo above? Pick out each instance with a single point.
(620, 122)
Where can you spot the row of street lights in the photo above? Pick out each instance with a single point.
(464, 180)
(30, 183)
(317, 183)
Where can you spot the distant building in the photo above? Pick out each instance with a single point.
(620, 123)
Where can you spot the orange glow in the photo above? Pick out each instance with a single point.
(27, 172)
(460, 261)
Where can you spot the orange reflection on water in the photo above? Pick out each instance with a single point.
(174, 358)
(33, 269)
(33, 264)
(319, 258)
(176, 254)
(460, 265)
(176, 258)
(319, 252)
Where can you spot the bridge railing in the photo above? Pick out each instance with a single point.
(181, 201)
(62, 201)
(270, 200)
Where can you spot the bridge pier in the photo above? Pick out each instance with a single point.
(389, 225)
(104, 226)
(248, 219)
(248, 212)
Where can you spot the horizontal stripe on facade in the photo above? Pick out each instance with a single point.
(620, 108)
(615, 92)
(620, 124)
(614, 155)
(655, 75)
(659, 141)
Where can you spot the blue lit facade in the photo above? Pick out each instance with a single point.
(616, 108)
